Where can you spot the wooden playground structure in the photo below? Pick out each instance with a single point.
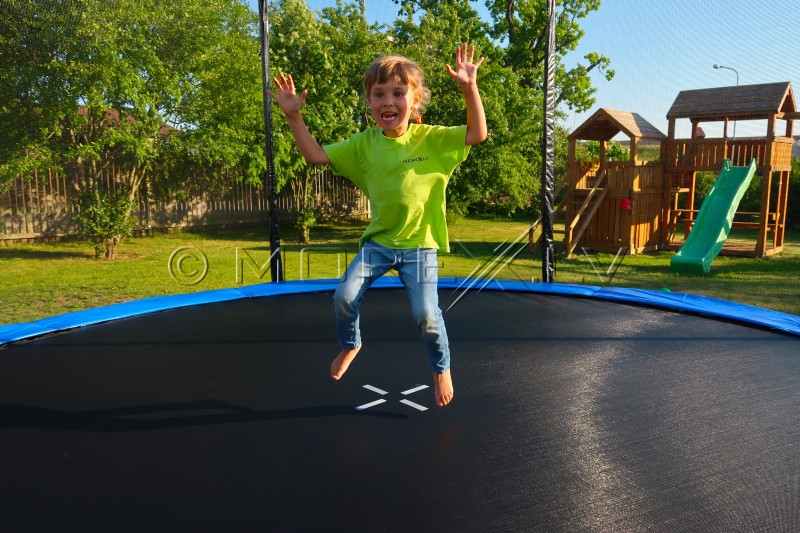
(608, 206)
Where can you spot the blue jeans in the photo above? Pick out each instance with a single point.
(419, 273)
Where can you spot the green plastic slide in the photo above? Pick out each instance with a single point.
(714, 220)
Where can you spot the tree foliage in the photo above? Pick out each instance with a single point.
(326, 57)
(152, 87)
(36, 39)
(590, 151)
(498, 175)
(502, 175)
(523, 23)
(170, 90)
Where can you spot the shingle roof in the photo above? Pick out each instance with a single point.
(604, 124)
(742, 102)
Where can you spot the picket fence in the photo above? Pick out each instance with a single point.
(43, 207)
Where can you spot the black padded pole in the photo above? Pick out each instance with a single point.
(270, 184)
(548, 149)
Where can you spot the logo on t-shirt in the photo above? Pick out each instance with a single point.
(415, 159)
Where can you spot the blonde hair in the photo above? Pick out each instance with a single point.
(398, 68)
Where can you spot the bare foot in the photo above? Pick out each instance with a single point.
(342, 361)
(443, 385)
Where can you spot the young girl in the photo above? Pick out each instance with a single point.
(403, 169)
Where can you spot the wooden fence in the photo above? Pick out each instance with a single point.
(44, 207)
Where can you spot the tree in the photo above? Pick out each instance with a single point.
(36, 38)
(126, 83)
(170, 89)
(523, 24)
(327, 57)
(502, 174)
(220, 111)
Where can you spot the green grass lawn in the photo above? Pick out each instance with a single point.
(46, 279)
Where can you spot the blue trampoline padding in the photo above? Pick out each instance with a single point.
(670, 300)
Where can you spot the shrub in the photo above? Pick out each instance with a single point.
(105, 220)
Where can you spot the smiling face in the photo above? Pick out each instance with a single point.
(391, 104)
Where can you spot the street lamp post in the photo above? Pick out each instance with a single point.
(737, 84)
(730, 68)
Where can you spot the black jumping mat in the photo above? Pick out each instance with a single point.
(570, 414)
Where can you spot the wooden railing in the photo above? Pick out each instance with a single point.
(710, 154)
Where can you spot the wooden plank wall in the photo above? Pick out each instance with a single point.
(584, 175)
(608, 229)
(612, 227)
(782, 154)
(646, 215)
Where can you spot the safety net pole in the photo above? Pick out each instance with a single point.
(548, 149)
(276, 268)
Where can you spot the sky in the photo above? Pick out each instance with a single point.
(658, 48)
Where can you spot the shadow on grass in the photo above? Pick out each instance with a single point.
(27, 254)
(341, 230)
(786, 266)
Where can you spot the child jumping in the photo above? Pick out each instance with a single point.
(403, 169)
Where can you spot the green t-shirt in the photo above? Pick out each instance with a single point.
(404, 179)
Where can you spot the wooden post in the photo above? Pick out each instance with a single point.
(570, 158)
(631, 217)
(666, 183)
(780, 215)
(725, 139)
(766, 190)
(603, 147)
(688, 220)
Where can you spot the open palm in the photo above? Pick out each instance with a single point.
(466, 71)
(287, 97)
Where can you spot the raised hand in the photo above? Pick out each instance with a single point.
(287, 97)
(466, 71)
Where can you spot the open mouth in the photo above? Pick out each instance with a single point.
(388, 117)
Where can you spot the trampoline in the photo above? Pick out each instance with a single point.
(576, 409)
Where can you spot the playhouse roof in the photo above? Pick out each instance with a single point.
(604, 124)
(738, 102)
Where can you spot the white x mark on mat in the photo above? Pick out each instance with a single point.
(403, 401)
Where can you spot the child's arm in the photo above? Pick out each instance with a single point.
(290, 104)
(466, 75)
